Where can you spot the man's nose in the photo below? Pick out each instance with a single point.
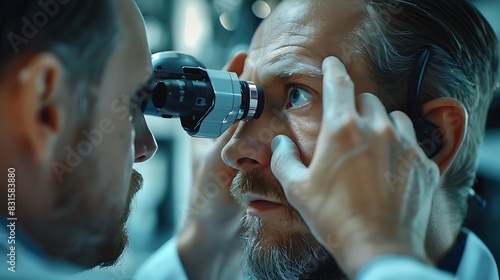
(250, 146)
(145, 143)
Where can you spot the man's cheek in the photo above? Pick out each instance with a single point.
(117, 145)
(306, 135)
(306, 148)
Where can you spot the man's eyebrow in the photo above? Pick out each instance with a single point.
(294, 73)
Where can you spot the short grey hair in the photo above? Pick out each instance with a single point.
(463, 65)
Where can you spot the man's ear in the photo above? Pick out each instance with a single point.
(451, 117)
(34, 83)
(237, 63)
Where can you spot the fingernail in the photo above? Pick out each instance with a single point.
(325, 61)
(276, 142)
(329, 59)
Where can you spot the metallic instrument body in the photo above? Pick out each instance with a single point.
(207, 101)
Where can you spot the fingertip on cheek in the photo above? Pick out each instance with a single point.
(275, 143)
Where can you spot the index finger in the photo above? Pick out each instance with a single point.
(338, 90)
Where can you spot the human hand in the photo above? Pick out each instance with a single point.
(209, 240)
(211, 206)
(368, 189)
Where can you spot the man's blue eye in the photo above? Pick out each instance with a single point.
(299, 96)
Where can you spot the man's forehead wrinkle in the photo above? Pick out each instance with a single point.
(276, 48)
(283, 66)
(297, 37)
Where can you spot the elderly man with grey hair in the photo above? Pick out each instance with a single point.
(333, 179)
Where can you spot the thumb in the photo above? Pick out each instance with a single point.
(288, 168)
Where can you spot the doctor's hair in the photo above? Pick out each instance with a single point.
(463, 65)
(81, 33)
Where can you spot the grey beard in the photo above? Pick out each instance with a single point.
(285, 256)
(277, 253)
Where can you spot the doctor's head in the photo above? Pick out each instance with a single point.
(67, 70)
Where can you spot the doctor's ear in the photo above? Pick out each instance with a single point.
(34, 85)
(237, 63)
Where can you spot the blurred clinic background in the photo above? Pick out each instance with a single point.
(212, 31)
